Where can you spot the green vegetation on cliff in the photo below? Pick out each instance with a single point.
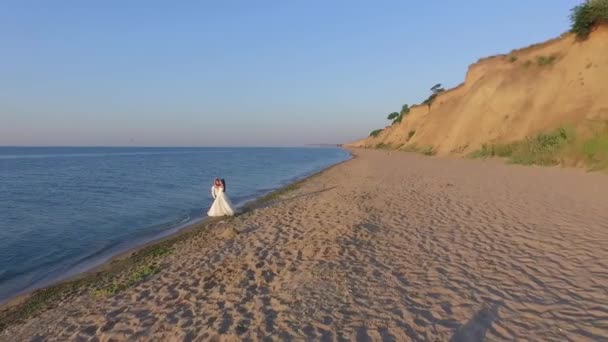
(588, 15)
(564, 146)
(375, 132)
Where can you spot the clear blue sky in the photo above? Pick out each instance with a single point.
(208, 73)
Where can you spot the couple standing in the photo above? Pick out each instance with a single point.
(221, 205)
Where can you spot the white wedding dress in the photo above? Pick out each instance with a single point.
(221, 205)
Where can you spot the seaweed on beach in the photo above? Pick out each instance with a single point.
(111, 278)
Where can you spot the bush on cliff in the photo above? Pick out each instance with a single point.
(587, 15)
(392, 116)
(375, 132)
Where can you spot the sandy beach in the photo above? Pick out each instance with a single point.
(389, 246)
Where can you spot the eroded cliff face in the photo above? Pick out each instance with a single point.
(509, 97)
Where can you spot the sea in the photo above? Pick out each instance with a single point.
(64, 210)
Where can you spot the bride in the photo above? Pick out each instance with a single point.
(221, 205)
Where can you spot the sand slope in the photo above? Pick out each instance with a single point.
(502, 100)
(381, 248)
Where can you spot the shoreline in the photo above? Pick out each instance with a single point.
(90, 264)
(385, 247)
(110, 264)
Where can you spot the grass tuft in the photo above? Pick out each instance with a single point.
(383, 146)
(545, 60)
(595, 151)
(563, 146)
(544, 149)
(540, 150)
(426, 150)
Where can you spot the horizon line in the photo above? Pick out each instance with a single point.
(158, 146)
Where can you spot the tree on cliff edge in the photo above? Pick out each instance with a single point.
(436, 90)
(405, 109)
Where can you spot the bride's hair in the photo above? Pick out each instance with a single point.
(223, 184)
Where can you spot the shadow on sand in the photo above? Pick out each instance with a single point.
(477, 327)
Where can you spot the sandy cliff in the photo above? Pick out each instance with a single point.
(506, 98)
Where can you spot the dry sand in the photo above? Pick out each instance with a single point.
(385, 247)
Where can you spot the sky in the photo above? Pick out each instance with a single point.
(240, 73)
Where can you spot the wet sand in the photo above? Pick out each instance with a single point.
(386, 247)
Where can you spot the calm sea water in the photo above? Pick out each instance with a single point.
(64, 209)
